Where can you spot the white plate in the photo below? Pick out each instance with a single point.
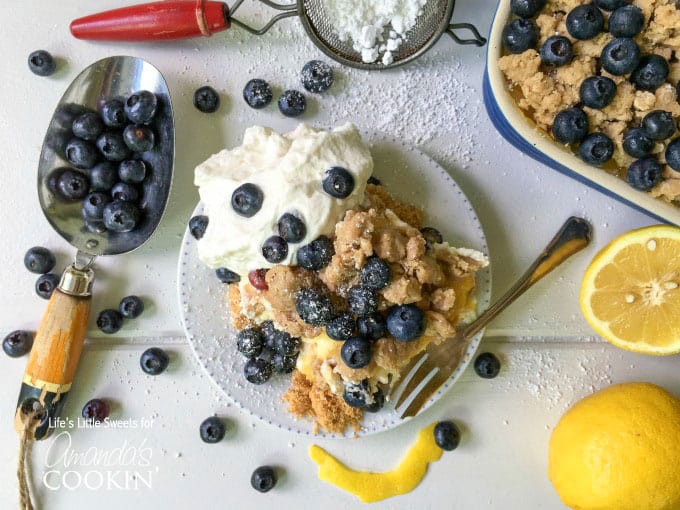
(408, 174)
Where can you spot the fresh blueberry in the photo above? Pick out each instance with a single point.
(292, 103)
(338, 182)
(526, 8)
(72, 185)
(263, 479)
(198, 225)
(226, 275)
(126, 192)
(316, 255)
(93, 205)
(519, 35)
(620, 56)
(356, 352)
(341, 326)
(317, 76)
(447, 435)
(357, 395)
(376, 273)
(109, 321)
(206, 99)
(39, 260)
(257, 370)
(131, 307)
(212, 430)
(313, 307)
(275, 249)
(596, 149)
(405, 322)
(121, 216)
(138, 138)
(17, 343)
(487, 365)
(374, 181)
(432, 236)
(96, 410)
(258, 279)
(556, 51)
(372, 326)
(285, 344)
(112, 146)
(249, 342)
(247, 199)
(626, 21)
(103, 176)
(643, 174)
(45, 285)
(283, 364)
(570, 125)
(132, 171)
(291, 228)
(113, 113)
(257, 93)
(651, 73)
(362, 300)
(636, 143)
(597, 91)
(275, 338)
(42, 63)
(609, 5)
(378, 402)
(80, 153)
(154, 361)
(673, 154)
(658, 125)
(585, 22)
(141, 106)
(88, 126)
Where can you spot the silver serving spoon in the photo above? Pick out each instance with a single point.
(60, 336)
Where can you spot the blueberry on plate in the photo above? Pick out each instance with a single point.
(198, 225)
(626, 21)
(556, 51)
(109, 321)
(432, 236)
(378, 402)
(72, 185)
(313, 307)
(249, 342)
(341, 326)
(643, 174)
(247, 199)
(257, 370)
(316, 255)
(283, 364)
(291, 228)
(519, 35)
(526, 8)
(93, 205)
(206, 99)
(636, 143)
(338, 182)
(141, 106)
(263, 479)
(212, 430)
(609, 5)
(226, 275)
(80, 153)
(95, 410)
(285, 344)
(658, 125)
(17, 343)
(103, 176)
(39, 260)
(487, 365)
(585, 22)
(257, 93)
(620, 56)
(138, 138)
(275, 249)
(154, 361)
(406, 322)
(45, 285)
(113, 113)
(132, 171)
(376, 273)
(292, 103)
(673, 154)
(87, 126)
(372, 326)
(121, 216)
(447, 435)
(570, 125)
(131, 307)
(42, 63)
(125, 191)
(651, 73)
(112, 146)
(356, 352)
(596, 149)
(597, 91)
(357, 395)
(316, 76)
(362, 300)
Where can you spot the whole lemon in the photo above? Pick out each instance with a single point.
(619, 449)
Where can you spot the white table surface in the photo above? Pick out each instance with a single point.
(550, 356)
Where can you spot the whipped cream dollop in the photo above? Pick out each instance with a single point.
(289, 170)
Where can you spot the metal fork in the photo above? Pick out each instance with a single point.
(574, 235)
